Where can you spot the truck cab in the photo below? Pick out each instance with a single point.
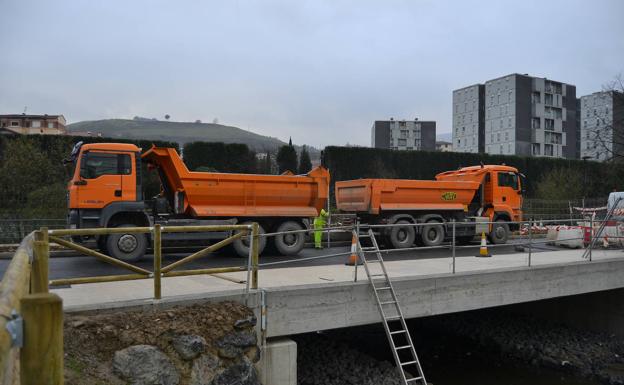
(500, 195)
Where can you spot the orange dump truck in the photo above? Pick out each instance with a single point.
(106, 191)
(468, 196)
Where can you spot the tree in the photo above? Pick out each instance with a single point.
(287, 158)
(167, 117)
(305, 164)
(267, 165)
(602, 123)
(560, 183)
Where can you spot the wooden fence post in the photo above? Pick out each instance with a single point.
(41, 357)
(157, 261)
(41, 261)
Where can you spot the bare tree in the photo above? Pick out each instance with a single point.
(603, 123)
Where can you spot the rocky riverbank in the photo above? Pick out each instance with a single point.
(527, 341)
(209, 344)
(322, 360)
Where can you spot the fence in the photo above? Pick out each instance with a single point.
(542, 209)
(31, 330)
(31, 326)
(14, 230)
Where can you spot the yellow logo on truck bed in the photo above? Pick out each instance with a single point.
(449, 196)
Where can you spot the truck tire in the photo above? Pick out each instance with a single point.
(289, 244)
(241, 245)
(402, 237)
(126, 247)
(500, 232)
(432, 234)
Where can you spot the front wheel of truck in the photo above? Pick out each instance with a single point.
(126, 247)
(500, 232)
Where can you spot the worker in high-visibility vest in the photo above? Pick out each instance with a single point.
(319, 223)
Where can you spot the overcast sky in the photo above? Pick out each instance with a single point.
(319, 71)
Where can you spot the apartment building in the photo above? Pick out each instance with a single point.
(33, 124)
(404, 134)
(523, 115)
(444, 146)
(469, 119)
(602, 125)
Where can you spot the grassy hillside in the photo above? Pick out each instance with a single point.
(180, 132)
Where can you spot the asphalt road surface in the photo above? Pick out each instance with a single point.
(70, 265)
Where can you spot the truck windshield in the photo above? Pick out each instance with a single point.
(508, 179)
(94, 164)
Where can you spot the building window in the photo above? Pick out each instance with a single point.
(535, 97)
(402, 142)
(403, 134)
(50, 125)
(548, 150)
(36, 123)
(506, 135)
(548, 99)
(536, 149)
(498, 137)
(535, 123)
(549, 124)
(14, 123)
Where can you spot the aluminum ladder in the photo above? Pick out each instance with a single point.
(392, 317)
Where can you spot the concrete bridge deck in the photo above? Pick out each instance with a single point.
(304, 299)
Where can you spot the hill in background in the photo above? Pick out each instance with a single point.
(181, 132)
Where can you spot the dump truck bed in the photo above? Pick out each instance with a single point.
(375, 195)
(213, 194)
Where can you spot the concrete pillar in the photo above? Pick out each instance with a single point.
(278, 364)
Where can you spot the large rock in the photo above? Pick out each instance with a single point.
(242, 373)
(189, 346)
(204, 369)
(234, 344)
(246, 322)
(145, 365)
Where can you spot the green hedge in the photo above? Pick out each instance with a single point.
(221, 157)
(347, 163)
(33, 178)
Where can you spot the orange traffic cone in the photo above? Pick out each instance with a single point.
(353, 258)
(483, 250)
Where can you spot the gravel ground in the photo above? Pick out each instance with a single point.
(529, 341)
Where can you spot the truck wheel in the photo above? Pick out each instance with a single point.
(432, 234)
(500, 232)
(289, 244)
(402, 237)
(241, 245)
(126, 247)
